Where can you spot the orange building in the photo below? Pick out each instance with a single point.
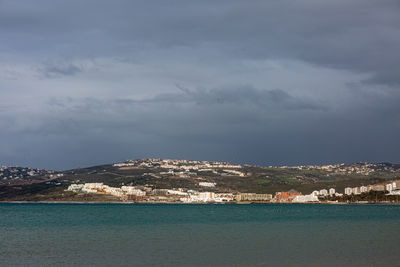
(286, 196)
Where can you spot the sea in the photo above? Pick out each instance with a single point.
(199, 235)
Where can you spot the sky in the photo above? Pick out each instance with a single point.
(276, 82)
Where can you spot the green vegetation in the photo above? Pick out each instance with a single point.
(263, 181)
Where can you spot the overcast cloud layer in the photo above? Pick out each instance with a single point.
(262, 82)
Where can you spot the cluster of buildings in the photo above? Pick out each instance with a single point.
(101, 188)
(392, 187)
(354, 168)
(175, 163)
(147, 194)
(184, 168)
(295, 197)
(207, 184)
(141, 193)
(194, 169)
(12, 175)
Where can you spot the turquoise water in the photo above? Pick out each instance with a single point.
(199, 235)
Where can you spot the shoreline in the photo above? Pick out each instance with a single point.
(195, 203)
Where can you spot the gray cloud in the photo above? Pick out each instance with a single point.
(357, 36)
(188, 128)
(245, 95)
(271, 82)
(51, 70)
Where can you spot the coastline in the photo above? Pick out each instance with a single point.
(195, 203)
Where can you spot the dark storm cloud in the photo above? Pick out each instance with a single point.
(168, 114)
(280, 82)
(356, 35)
(187, 128)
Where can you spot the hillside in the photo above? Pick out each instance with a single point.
(169, 174)
(13, 175)
(233, 178)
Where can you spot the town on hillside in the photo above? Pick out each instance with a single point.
(147, 194)
(186, 168)
(13, 175)
(191, 181)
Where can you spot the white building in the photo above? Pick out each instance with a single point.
(332, 191)
(315, 193)
(389, 187)
(323, 192)
(311, 198)
(131, 190)
(75, 187)
(224, 197)
(92, 187)
(348, 191)
(306, 198)
(363, 189)
(189, 199)
(207, 184)
(206, 196)
(193, 196)
(394, 193)
(396, 185)
(356, 191)
(118, 192)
